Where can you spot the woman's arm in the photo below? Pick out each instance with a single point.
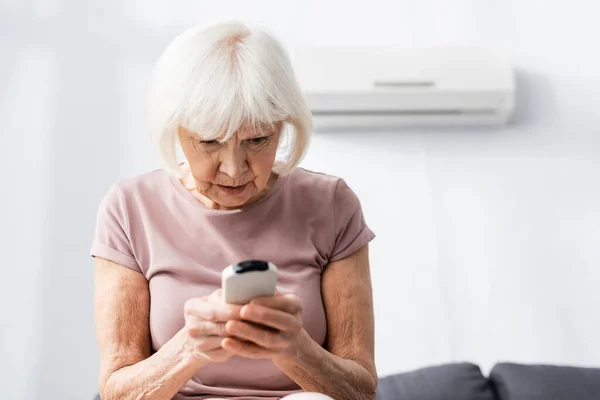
(346, 370)
(127, 370)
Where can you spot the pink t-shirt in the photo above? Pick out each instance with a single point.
(153, 225)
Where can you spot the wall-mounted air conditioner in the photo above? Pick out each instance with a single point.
(349, 87)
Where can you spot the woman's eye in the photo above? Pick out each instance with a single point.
(258, 140)
(209, 142)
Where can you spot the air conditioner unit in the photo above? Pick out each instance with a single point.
(348, 87)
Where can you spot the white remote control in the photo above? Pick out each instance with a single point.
(246, 280)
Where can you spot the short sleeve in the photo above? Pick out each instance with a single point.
(112, 240)
(351, 230)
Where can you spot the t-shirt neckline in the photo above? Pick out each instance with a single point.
(189, 196)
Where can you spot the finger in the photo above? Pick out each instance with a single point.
(202, 347)
(245, 349)
(271, 317)
(211, 310)
(216, 295)
(209, 343)
(264, 337)
(199, 328)
(219, 355)
(289, 303)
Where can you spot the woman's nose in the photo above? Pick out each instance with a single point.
(233, 161)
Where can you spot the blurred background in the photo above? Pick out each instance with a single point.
(488, 238)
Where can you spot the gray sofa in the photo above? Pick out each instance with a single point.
(464, 381)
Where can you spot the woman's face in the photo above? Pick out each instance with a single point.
(233, 173)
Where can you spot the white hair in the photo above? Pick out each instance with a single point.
(212, 79)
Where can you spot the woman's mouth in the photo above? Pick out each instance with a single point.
(232, 190)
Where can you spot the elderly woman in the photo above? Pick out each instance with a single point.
(226, 96)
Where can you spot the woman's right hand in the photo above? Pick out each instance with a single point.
(205, 319)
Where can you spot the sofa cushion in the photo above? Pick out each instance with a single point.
(544, 382)
(461, 381)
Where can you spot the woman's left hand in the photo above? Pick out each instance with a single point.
(271, 328)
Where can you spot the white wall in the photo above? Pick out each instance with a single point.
(487, 243)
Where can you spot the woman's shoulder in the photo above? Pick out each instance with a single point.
(315, 179)
(304, 182)
(146, 180)
(142, 187)
(318, 188)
